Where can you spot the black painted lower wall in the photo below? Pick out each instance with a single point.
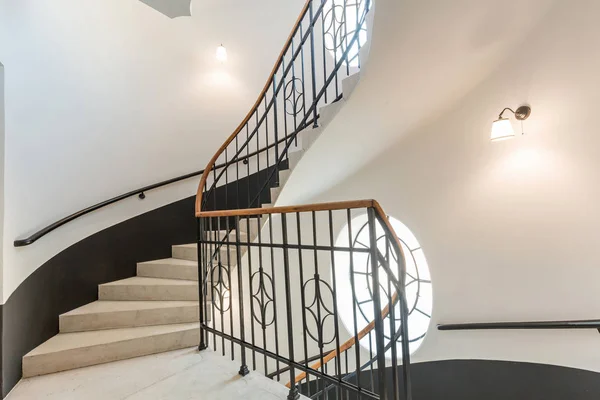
(71, 278)
(489, 380)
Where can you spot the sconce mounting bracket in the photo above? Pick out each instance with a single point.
(523, 113)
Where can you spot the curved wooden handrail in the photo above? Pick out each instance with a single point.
(237, 130)
(338, 205)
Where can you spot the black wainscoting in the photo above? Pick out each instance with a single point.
(493, 380)
(71, 278)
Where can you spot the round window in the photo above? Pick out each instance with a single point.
(357, 269)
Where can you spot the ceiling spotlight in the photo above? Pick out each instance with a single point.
(221, 53)
(502, 127)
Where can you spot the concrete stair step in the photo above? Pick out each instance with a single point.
(80, 349)
(106, 314)
(169, 268)
(143, 288)
(227, 254)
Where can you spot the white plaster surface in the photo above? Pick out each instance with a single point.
(181, 374)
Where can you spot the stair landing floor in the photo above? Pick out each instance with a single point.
(179, 374)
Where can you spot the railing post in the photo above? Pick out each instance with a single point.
(244, 367)
(200, 230)
(294, 394)
(379, 337)
(312, 65)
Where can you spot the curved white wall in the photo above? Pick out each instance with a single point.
(509, 228)
(105, 96)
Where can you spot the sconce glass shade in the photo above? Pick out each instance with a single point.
(221, 53)
(502, 129)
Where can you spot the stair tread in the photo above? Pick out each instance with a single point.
(107, 306)
(75, 340)
(147, 281)
(171, 261)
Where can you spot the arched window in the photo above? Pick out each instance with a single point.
(358, 269)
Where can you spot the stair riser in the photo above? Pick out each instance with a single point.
(186, 272)
(150, 292)
(190, 254)
(128, 319)
(92, 355)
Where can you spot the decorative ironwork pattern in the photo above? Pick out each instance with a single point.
(220, 290)
(263, 297)
(294, 96)
(320, 309)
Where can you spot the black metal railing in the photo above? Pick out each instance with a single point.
(275, 283)
(322, 49)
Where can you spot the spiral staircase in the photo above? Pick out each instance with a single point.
(180, 302)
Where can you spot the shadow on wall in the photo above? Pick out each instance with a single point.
(170, 8)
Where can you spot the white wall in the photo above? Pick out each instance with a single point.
(509, 228)
(1, 171)
(106, 96)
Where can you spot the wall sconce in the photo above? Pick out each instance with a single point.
(502, 128)
(221, 53)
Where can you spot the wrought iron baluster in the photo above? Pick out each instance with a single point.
(258, 172)
(201, 296)
(274, 292)
(303, 86)
(261, 290)
(227, 221)
(312, 66)
(392, 318)
(250, 274)
(338, 365)
(345, 20)
(294, 393)
(319, 321)
(221, 293)
(354, 299)
(276, 131)
(211, 272)
(302, 298)
(244, 367)
(247, 167)
(324, 52)
(237, 174)
(379, 339)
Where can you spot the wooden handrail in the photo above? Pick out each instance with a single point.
(237, 130)
(339, 205)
